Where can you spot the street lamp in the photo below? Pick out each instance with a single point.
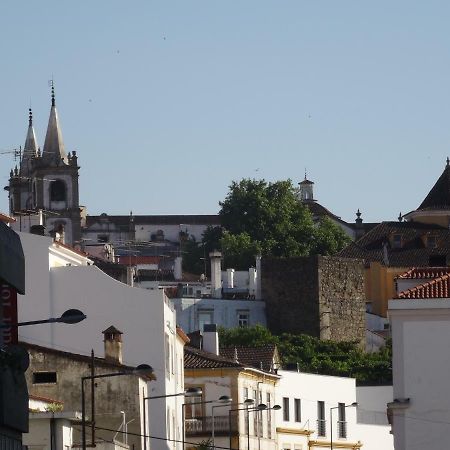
(189, 392)
(221, 399)
(248, 401)
(260, 407)
(141, 369)
(354, 404)
(70, 316)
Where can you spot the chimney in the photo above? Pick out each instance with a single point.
(177, 270)
(113, 344)
(258, 294)
(210, 338)
(216, 274)
(230, 278)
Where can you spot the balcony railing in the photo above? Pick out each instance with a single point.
(321, 427)
(203, 425)
(342, 429)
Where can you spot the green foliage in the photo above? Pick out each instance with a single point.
(54, 407)
(316, 356)
(206, 444)
(260, 217)
(239, 250)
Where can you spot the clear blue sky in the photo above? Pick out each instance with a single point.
(167, 102)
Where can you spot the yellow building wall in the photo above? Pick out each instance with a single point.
(380, 286)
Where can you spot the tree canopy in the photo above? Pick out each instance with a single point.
(260, 217)
(316, 356)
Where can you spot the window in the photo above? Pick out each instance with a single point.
(342, 423)
(243, 318)
(321, 423)
(44, 377)
(269, 416)
(167, 355)
(193, 407)
(286, 409)
(297, 410)
(397, 241)
(205, 317)
(431, 242)
(255, 414)
(57, 191)
(103, 238)
(437, 260)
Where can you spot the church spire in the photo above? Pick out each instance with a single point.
(30, 147)
(54, 146)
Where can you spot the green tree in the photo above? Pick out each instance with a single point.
(317, 356)
(239, 250)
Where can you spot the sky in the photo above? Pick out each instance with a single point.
(167, 102)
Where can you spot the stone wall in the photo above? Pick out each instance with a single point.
(320, 296)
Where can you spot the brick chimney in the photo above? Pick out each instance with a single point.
(113, 344)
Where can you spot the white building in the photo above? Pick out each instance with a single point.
(318, 409)
(420, 322)
(218, 376)
(58, 279)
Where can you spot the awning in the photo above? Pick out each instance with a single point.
(12, 261)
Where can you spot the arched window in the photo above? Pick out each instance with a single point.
(57, 191)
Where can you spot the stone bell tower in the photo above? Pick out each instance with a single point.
(47, 183)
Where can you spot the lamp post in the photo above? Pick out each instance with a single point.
(70, 316)
(142, 368)
(189, 392)
(248, 401)
(222, 399)
(354, 404)
(260, 407)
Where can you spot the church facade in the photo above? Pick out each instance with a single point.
(43, 189)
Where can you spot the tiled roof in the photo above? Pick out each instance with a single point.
(424, 273)
(438, 288)
(169, 219)
(198, 359)
(259, 357)
(439, 196)
(413, 252)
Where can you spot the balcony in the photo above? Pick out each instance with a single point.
(342, 429)
(321, 427)
(199, 426)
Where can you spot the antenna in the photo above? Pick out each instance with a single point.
(17, 153)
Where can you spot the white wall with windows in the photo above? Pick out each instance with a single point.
(314, 406)
(193, 313)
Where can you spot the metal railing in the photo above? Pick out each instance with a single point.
(321, 427)
(203, 425)
(342, 429)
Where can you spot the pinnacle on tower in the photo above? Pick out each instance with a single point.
(30, 148)
(53, 151)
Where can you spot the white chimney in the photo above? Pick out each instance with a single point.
(230, 278)
(258, 295)
(177, 270)
(252, 278)
(210, 338)
(216, 274)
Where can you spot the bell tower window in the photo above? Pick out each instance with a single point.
(57, 191)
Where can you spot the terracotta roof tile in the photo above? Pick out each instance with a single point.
(438, 288)
(259, 357)
(413, 252)
(198, 359)
(424, 273)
